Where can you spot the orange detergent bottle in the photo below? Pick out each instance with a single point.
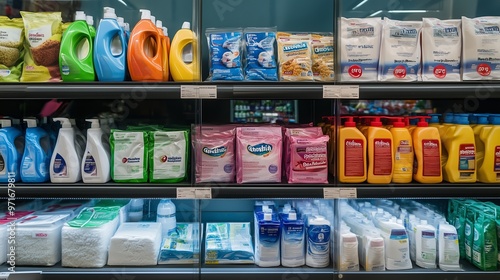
(352, 153)
(144, 56)
(167, 40)
(164, 50)
(380, 153)
(427, 147)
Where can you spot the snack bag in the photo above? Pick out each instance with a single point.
(11, 49)
(294, 55)
(225, 46)
(259, 54)
(43, 32)
(322, 58)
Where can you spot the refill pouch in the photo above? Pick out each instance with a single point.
(308, 160)
(400, 51)
(129, 156)
(484, 251)
(260, 58)
(359, 55)
(297, 132)
(168, 156)
(481, 48)
(225, 46)
(441, 50)
(258, 154)
(214, 153)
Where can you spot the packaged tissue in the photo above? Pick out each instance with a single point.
(135, 244)
(181, 246)
(228, 243)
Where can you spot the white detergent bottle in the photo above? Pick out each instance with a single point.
(96, 159)
(397, 252)
(65, 162)
(449, 253)
(426, 245)
(318, 242)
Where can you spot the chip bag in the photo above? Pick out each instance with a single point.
(11, 49)
(294, 53)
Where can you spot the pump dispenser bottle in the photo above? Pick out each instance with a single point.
(65, 162)
(352, 153)
(95, 162)
(403, 152)
(380, 153)
(427, 144)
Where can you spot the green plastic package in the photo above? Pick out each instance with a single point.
(129, 156)
(168, 155)
(497, 222)
(11, 49)
(459, 223)
(485, 250)
(91, 217)
(470, 219)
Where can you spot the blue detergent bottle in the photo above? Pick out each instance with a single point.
(110, 49)
(11, 151)
(37, 152)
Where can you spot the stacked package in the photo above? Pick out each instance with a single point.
(181, 246)
(228, 243)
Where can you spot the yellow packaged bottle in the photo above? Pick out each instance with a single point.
(352, 153)
(447, 122)
(459, 141)
(380, 153)
(427, 148)
(489, 170)
(403, 152)
(183, 58)
(481, 121)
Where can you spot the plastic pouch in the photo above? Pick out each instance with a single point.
(129, 156)
(322, 58)
(11, 49)
(485, 251)
(168, 156)
(260, 59)
(225, 47)
(294, 54)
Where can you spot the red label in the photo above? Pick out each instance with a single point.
(382, 156)
(354, 164)
(467, 157)
(484, 69)
(431, 157)
(497, 159)
(355, 71)
(440, 71)
(400, 71)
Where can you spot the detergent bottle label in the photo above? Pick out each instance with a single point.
(90, 167)
(431, 158)
(496, 166)
(353, 159)
(382, 156)
(467, 160)
(60, 168)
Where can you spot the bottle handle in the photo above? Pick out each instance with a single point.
(182, 44)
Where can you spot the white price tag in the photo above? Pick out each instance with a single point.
(331, 193)
(186, 193)
(204, 193)
(208, 92)
(196, 92)
(340, 92)
(348, 193)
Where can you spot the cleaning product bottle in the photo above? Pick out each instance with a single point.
(144, 51)
(183, 57)
(75, 57)
(489, 168)
(447, 122)
(166, 215)
(90, 23)
(380, 153)
(352, 153)
(95, 161)
(426, 245)
(37, 153)
(460, 144)
(164, 50)
(318, 242)
(481, 121)
(449, 252)
(427, 148)
(110, 58)
(11, 151)
(167, 42)
(80, 139)
(403, 152)
(65, 162)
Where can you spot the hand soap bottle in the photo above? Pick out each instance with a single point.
(11, 151)
(65, 162)
(183, 57)
(403, 152)
(37, 153)
(95, 162)
(380, 153)
(427, 144)
(352, 153)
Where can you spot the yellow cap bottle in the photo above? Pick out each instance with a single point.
(427, 147)
(352, 153)
(380, 153)
(183, 59)
(489, 170)
(403, 152)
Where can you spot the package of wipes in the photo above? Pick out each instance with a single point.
(308, 160)
(225, 46)
(181, 246)
(258, 154)
(168, 156)
(228, 243)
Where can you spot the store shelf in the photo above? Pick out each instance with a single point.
(251, 272)
(262, 191)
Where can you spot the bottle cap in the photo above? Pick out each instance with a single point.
(121, 22)
(90, 20)
(349, 122)
(159, 24)
(94, 123)
(145, 14)
(80, 15)
(165, 31)
(109, 13)
(472, 119)
(421, 120)
(268, 216)
(292, 216)
(481, 118)
(423, 222)
(5, 123)
(153, 19)
(65, 123)
(186, 25)
(434, 118)
(462, 119)
(494, 119)
(397, 121)
(448, 118)
(30, 122)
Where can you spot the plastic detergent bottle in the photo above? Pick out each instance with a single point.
(167, 42)
(481, 121)
(164, 50)
(90, 23)
(37, 152)
(65, 162)
(380, 153)
(144, 55)
(449, 252)
(183, 59)
(75, 57)
(352, 153)
(165, 215)
(403, 152)
(460, 144)
(110, 57)
(95, 161)
(489, 167)
(318, 242)
(426, 247)
(427, 148)
(11, 151)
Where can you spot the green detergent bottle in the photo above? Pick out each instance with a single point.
(75, 59)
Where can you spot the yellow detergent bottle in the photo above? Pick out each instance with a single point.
(403, 152)
(460, 144)
(427, 148)
(183, 59)
(480, 121)
(380, 153)
(352, 153)
(489, 171)
(447, 122)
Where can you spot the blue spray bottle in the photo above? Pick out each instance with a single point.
(37, 152)
(11, 151)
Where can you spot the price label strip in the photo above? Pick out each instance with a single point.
(194, 193)
(198, 92)
(341, 92)
(335, 193)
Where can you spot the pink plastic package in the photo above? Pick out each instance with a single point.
(302, 132)
(214, 154)
(308, 160)
(258, 154)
